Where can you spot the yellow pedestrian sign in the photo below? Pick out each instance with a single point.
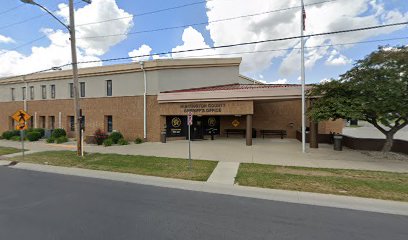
(21, 126)
(21, 116)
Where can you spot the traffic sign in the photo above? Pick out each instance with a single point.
(21, 116)
(190, 119)
(21, 126)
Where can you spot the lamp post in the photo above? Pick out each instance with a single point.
(71, 30)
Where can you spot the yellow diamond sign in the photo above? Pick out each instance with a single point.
(21, 116)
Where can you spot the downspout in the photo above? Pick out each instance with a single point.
(144, 102)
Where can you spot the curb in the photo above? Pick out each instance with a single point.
(315, 199)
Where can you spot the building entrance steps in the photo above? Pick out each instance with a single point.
(224, 173)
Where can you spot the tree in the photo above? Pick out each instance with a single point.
(374, 90)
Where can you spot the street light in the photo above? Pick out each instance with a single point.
(71, 30)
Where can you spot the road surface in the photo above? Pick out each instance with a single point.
(41, 206)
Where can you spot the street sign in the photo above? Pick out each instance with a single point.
(21, 116)
(21, 126)
(190, 119)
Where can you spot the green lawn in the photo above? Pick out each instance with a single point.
(7, 150)
(370, 184)
(144, 165)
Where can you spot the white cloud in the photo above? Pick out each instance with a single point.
(326, 17)
(58, 52)
(142, 51)
(192, 39)
(4, 39)
(325, 80)
(337, 59)
(280, 81)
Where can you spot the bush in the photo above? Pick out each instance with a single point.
(51, 140)
(122, 141)
(15, 138)
(115, 136)
(62, 139)
(39, 130)
(33, 136)
(58, 132)
(8, 135)
(100, 136)
(138, 141)
(107, 142)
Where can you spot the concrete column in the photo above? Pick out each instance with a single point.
(314, 132)
(35, 120)
(59, 120)
(249, 130)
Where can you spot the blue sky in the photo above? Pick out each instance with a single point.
(278, 67)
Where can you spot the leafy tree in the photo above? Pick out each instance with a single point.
(374, 90)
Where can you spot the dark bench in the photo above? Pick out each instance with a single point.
(281, 133)
(235, 131)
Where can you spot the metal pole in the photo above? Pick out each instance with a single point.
(22, 142)
(302, 53)
(144, 102)
(75, 75)
(189, 146)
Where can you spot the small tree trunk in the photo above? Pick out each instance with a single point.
(389, 141)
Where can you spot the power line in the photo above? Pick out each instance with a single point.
(34, 17)
(256, 42)
(11, 9)
(207, 22)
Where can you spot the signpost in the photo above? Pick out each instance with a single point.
(189, 123)
(21, 117)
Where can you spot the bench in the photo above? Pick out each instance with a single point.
(280, 133)
(235, 131)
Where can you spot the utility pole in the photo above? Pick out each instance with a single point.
(77, 106)
(302, 53)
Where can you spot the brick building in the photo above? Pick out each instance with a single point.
(142, 100)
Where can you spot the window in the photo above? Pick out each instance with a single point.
(32, 93)
(71, 90)
(109, 123)
(109, 88)
(82, 86)
(42, 121)
(24, 92)
(44, 92)
(13, 94)
(52, 91)
(51, 122)
(71, 123)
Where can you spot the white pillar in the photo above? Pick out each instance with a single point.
(35, 120)
(59, 120)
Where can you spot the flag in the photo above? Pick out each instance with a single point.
(304, 18)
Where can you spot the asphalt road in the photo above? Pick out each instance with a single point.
(45, 206)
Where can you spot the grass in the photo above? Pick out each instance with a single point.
(8, 150)
(369, 184)
(143, 165)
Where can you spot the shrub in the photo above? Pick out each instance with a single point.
(8, 135)
(58, 132)
(107, 142)
(16, 132)
(122, 141)
(15, 138)
(100, 136)
(33, 136)
(115, 136)
(62, 139)
(39, 130)
(138, 141)
(51, 140)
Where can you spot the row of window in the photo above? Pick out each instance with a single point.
(53, 91)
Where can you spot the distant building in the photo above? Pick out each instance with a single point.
(112, 99)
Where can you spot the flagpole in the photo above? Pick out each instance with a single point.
(302, 53)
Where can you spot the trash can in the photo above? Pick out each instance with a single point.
(163, 137)
(338, 142)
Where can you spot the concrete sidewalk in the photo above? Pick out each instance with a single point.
(286, 152)
(355, 203)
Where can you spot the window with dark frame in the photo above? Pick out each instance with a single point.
(24, 93)
(82, 87)
(44, 91)
(71, 90)
(52, 91)
(72, 123)
(13, 94)
(108, 88)
(109, 124)
(32, 96)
